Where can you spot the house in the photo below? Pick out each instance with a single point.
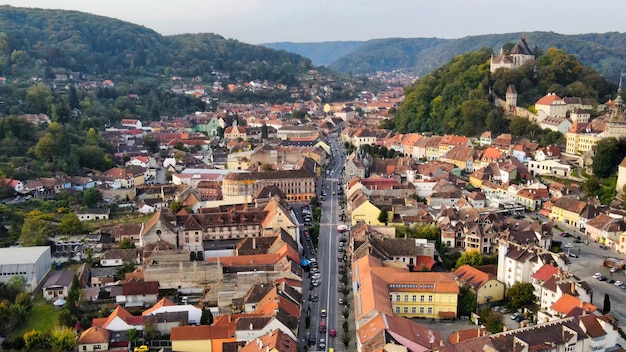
(517, 263)
(461, 156)
(58, 284)
(159, 228)
(192, 312)
(549, 167)
(567, 210)
(139, 294)
(363, 210)
(273, 341)
(555, 123)
(118, 257)
(483, 283)
(551, 105)
(93, 214)
(606, 228)
(251, 327)
(201, 338)
(119, 320)
(94, 339)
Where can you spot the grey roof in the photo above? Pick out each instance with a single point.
(22, 255)
(59, 278)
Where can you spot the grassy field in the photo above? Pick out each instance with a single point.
(41, 317)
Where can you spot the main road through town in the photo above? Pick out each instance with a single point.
(327, 256)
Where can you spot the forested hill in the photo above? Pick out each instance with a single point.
(606, 52)
(45, 42)
(456, 97)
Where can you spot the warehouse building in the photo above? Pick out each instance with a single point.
(33, 263)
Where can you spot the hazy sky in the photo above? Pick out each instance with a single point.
(261, 21)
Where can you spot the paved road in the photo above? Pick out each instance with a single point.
(590, 261)
(327, 258)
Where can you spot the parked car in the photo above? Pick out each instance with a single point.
(322, 344)
(565, 234)
(618, 283)
(597, 275)
(613, 270)
(312, 340)
(332, 333)
(517, 317)
(341, 301)
(603, 247)
(142, 348)
(573, 255)
(315, 298)
(602, 278)
(610, 281)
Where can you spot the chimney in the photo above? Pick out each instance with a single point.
(253, 243)
(573, 286)
(251, 326)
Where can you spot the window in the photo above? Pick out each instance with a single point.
(414, 298)
(421, 298)
(397, 298)
(413, 310)
(406, 310)
(430, 310)
(421, 310)
(430, 298)
(398, 310)
(406, 298)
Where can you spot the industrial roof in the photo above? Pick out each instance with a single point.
(22, 255)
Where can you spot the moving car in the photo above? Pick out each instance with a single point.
(322, 344)
(322, 327)
(323, 313)
(332, 333)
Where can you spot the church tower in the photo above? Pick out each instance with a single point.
(511, 98)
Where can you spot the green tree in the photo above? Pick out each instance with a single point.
(473, 258)
(492, 321)
(91, 197)
(607, 304)
(70, 224)
(607, 157)
(467, 301)
(120, 272)
(38, 99)
(133, 336)
(592, 186)
(34, 232)
(151, 143)
(73, 99)
(207, 316)
(126, 243)
(520, 294)
(176, 206)
(62, 339)
(383, 217)
(73, 297)
(36, 340)
(264, 133)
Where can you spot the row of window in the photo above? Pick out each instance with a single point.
(414, 298)
(411, 286)
(13, 274)
(414, 310)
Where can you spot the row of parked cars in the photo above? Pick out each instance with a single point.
(617, 283)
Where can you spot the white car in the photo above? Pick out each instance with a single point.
(618, 283)
(597, 275)
(613, 270)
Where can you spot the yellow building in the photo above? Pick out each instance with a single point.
(362, 210)
(391, 288)
(580, 143)
(485, 285)
(567, 211)
(202, 338)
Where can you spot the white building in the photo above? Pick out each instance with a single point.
(33, 263)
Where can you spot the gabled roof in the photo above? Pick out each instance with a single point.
(591, 326)
(94, 334)
(275, 340)
(472, 277)
(202, 332)
(140, 288)
(566, 302)
(545, 272)
(164, 302)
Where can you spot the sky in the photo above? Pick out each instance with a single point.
(264, 21)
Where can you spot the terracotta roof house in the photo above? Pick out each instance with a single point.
(201, 338)
(94, 339)
(485, 285)
(273, 341)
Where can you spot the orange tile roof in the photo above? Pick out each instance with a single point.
(470, 276)
(548, 99)
(256, 259)
(568, 302)
(94, 334)
(202, 332)
(275, 340)
(545, 272)
(164, 302)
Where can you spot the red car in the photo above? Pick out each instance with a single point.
(322, 327)
(332, 333)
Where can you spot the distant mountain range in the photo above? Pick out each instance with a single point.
(605, 52)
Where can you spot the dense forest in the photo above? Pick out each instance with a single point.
(456, 97)
(605, 52)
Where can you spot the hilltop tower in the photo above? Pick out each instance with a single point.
(519, 55)
(511, 98)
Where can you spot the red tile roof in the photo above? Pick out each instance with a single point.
(545, 272)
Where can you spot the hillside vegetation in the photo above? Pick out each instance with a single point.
(605, 52)
(455, 98)
(45, 41)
